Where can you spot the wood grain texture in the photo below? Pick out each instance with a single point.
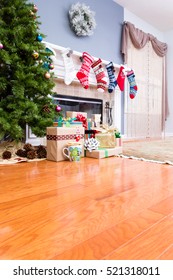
(111, 208)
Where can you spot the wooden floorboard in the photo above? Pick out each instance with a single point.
(111, 208)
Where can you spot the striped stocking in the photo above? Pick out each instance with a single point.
(100, 75)
(83, 73)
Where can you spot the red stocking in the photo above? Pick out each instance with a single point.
(121, 79)
(83, 73)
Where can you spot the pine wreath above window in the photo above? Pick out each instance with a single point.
(82, 19)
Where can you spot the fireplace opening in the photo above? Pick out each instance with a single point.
(79, 104)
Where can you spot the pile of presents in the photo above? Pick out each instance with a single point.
(98, 141)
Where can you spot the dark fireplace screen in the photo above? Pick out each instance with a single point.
(79, 104)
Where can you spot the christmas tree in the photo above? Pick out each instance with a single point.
(26, 82)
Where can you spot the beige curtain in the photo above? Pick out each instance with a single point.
(140, 40)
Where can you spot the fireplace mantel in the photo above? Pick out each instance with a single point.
(59, 70)
(75, 88)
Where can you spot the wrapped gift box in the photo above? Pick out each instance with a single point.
(106, 140)
(72, 114)
(72, 124)
(104, 153)
(118, 141)
(67, 124)
(59, 137)
(96, 118)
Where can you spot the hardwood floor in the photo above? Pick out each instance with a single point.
(110, 208)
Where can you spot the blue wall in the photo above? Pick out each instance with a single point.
(104, 43)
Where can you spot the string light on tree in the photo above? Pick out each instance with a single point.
(1, 46)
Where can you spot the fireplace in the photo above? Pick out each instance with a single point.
(79, 104)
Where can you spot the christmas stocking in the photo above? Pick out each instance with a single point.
(121, 78)
(83, 73)
(100, 75)
(111, 75)
(132, 82)
(69, 66)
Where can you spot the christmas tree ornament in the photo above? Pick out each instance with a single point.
(121, 78)
(1, 46)
(46, 109)
(132, 82)
(83, 73)
(47, 75)
(70, 72)
(58, 108)
(51, 66)
(111, 75)
(6, 155)
(100, 75)
(46, 65)
(39, 38)
(35, 9)
(35, 55)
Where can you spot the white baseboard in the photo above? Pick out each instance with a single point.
(168, 134)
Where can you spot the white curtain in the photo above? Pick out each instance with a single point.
(143, 114)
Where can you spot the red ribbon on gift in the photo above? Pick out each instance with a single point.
(81, 118)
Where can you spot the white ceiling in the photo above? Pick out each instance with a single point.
(158, 13)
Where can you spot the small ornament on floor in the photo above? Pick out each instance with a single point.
(31, 154)
(6, 155)
(28, 147)
(41, 152)
(21, 153)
